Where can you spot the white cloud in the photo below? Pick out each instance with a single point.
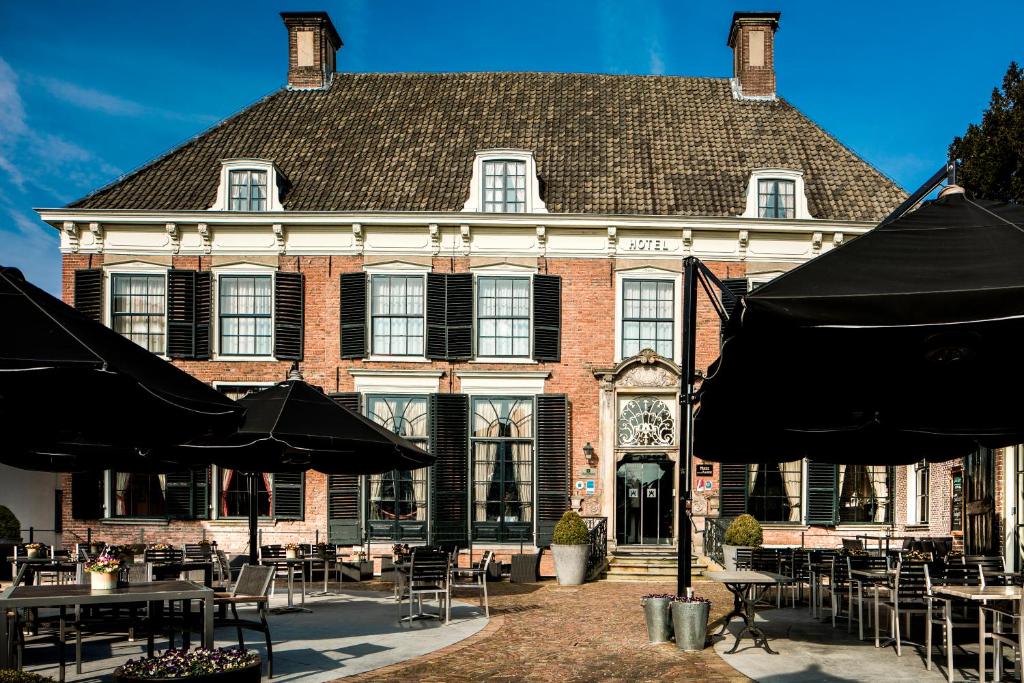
(12, 122)
(114, 105)
(627, 36)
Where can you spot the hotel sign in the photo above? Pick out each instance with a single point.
(649, 244)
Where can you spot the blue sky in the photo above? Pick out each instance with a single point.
(91, 90)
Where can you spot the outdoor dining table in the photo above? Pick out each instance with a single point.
(76, 595)
(743, 585)
(977, 593)
(165, 570)
(291, 563)
(42, 564)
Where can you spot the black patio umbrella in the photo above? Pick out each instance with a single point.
(900, 345)
(67, 378)
(292, 427)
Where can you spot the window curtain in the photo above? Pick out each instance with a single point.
(419, 484)
(880, 490)
(791, 479)
(123, 479)
(483, 470)
(268, 481)
(376, 495)
(752, 478)
(523, 454)
(225, 483)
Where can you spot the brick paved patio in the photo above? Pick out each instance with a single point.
(542, 632)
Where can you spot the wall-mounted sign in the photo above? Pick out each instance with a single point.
(704, 485)
(705, 469)
(590, 487)
(587, 472)
(648, 244)
(579, 485)
(956, 517)
(634, 493)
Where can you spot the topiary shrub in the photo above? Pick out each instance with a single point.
(744, 530)
(571, 530)
(10, 527)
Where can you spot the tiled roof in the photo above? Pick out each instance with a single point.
(649, 145)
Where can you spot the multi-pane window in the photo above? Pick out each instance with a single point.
(138, 309)
(503, 316)
(647, 316)
(505, 186)
(921, 491)
(776, 198)
(774, 491)
(396, 305)
(396, 497)
(248, 190)
(244, 310)
(139, 495)
(233, 492)
(865, 494)
(502, 447)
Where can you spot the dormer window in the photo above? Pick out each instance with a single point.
(249, 185)
(776, 193)
(248, 190)
(504, 181)
(776, 198)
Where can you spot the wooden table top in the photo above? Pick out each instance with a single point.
(748, 577)
(979, 593)
(83, 594)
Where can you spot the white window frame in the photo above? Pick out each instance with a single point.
(800, 210)
(213, 487)
(394, 269)
(650, 273)
(223, 200)
(131, 268)
(238, 269)
(913, 492)
(475, 203)
(505, 270)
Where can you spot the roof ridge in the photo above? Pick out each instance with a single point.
(528, 73)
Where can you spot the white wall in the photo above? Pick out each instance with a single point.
(29, 495)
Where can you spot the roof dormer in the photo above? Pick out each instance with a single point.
(504, 181)
(249, 185)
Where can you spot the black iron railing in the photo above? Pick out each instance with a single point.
(714, 537)
(598, 545)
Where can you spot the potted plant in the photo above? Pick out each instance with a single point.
(10, 536)
(103, 572)
(15, 676)
(291, 551)
(400, 552)
(201, 665)
(570, 545)
(33, 549)
(690, 621)
(656, 615)
(744, 532)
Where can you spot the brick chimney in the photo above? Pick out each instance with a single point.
(312, 45)
(752, 39)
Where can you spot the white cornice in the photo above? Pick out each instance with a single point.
(365, 372)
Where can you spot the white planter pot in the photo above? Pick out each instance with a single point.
(290, 554)
(729, 551)
(570, 563)
(103, 582)
(32, 552)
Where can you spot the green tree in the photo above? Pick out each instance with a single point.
(992, 153)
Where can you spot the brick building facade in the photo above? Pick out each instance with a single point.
(512, 239)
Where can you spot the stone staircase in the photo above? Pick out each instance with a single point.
(648, 563)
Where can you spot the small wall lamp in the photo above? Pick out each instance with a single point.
(590, 453)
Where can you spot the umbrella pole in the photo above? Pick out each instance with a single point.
(689, 340)
(254, 518)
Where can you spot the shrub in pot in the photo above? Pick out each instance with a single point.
(657, 617)
(201, 665)
(690, 621)
(744, 532)
(570, 546)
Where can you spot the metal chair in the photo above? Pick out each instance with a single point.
(157, 555)
(472, 578)
(865, 563)
(768, 560)
(906, 597)
(428, 575)
(990, 566)
(199, 552)
(965, 618)
(252, 588)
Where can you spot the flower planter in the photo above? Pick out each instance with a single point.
(690, 623)
(32, 552)
(248, 674)
(291, 554)
(102, 581)
(659, 624)
(570, 563)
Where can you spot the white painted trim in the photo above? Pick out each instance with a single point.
(501, 382)
(1011, 509)
(504, 269)
(130, 268)
(394, 269)
(800, 210)
(911, 494)
(475, 203)
(650, 273)
(222, 201)
(397, 382)
(507, 270)
(237, 269)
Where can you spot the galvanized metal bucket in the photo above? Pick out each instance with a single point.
(659, 623)
(690, 622)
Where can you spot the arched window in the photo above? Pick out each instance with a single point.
(646, 421)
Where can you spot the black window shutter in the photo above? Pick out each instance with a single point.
(821, 493)
(732, 290)
(353, 315)
(449, 442)
(344, 523)
(437, 317)
(289, 302)
(87, 495)
(287, 496)
(547, 317)
(459, 312)
(201, 494)
(552, 463)
(178, 495)
(188, 314)
(89, 293)
(732, 486)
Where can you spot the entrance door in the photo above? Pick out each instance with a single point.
(644, 500)
(979, 503)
